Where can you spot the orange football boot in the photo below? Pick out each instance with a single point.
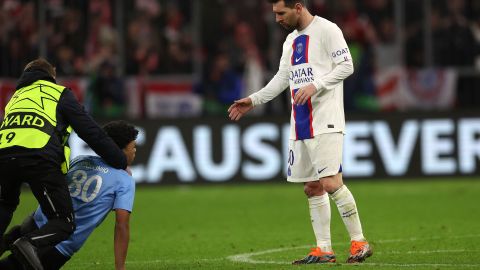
(317, 256)
(359, 251)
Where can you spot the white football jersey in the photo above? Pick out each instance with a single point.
(309, 57)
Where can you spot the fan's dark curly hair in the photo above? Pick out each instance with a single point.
(121, 132)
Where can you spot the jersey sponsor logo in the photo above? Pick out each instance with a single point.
(340, 52)
(302, 75)
(298, 59)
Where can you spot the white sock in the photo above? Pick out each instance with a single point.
(320, 215)
(348, 210)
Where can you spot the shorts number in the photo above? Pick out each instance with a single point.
(291, 157)
(80, 185)
(9, 137)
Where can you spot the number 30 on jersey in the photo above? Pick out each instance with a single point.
(82, 188)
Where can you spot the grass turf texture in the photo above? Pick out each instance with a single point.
(421, 224)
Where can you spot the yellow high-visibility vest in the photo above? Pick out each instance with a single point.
(31, 118)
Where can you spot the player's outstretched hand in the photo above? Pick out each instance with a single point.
(303, 94)
(239, 108)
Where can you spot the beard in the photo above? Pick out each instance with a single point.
(290, 27)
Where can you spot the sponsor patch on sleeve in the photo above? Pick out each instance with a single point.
(341, 55)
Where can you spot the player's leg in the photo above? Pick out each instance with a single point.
(300, 170)
(343, 198)
(320, 214)
(346, 205)
(328, 162)
(326, 155)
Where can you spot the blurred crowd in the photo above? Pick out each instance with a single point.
(231, 47)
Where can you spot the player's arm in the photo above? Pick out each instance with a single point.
(121, 238)
(338, 50)
(276, 86)
(239, 108)
(279, 82)
(327, 82)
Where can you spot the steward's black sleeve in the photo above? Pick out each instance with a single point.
(89, 131)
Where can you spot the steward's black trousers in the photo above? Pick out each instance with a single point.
(50, 257)
(49, 186)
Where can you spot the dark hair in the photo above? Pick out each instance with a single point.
(290, 3)
(41, 64)
(121, 132)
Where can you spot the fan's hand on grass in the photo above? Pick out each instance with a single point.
(303, 94)
(239, 108)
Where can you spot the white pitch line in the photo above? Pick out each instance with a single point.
(412, 239)
(247, 257)
(242, 258)
(429, 251)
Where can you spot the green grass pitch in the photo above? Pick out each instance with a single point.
(412, 224)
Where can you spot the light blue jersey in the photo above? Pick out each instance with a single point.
(96, 189)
